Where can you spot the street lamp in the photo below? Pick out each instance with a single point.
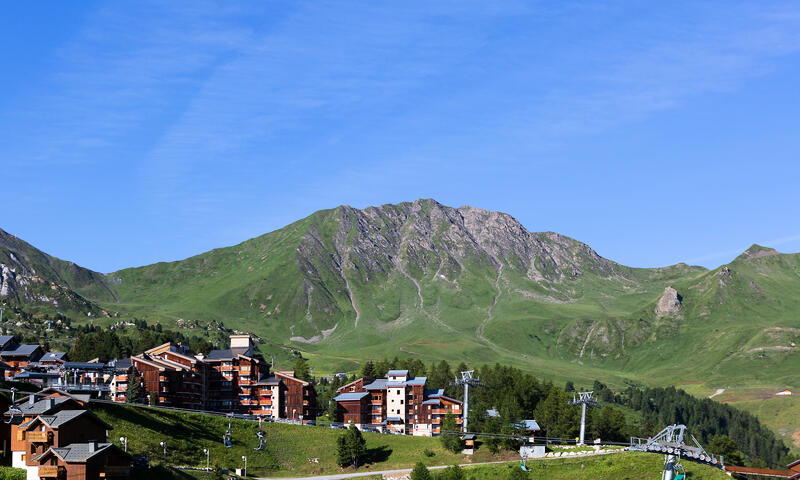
(245, 465)
(124, 442)
(208, 456)
(164, 446)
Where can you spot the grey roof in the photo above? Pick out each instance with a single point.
(436, 392)
(529, 425)
(35, 375)
(121, 364)
(229, 353)
(43, 406)
(4, 339)
(434, 401)
(394, 419)
(85, 365)
(417, 381)
(80, 452)
(396, 373)
(344, 397)
(50, 356)
(268, 380)
(379, 384)
(57, 419)
(20, 350)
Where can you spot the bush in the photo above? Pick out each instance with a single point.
(8, 473)
(453, 472)
(428, 452)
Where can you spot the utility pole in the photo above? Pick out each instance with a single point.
(467, 379)
(1, 314)
(584, 399)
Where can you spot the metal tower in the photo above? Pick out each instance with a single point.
(584, 399)
(467, 379)
(671, 442)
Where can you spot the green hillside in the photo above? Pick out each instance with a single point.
(464, 284)
(289, 448)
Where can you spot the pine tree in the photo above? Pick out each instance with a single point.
(301, 369)
(420, 472)
(342, 453)
(368, 370)
(450, 438)
(132, 392)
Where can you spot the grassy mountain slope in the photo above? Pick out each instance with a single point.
(465, 284)
(39, 281)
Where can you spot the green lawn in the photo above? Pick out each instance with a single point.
(289, 451)
(624, 466)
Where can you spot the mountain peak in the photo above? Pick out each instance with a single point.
(756, 251)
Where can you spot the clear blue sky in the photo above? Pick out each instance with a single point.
(134, 132)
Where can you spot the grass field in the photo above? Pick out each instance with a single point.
(290, 449)
(623, 466)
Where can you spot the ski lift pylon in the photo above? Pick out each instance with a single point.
(226, 438)
(260, 435)
(14, 409)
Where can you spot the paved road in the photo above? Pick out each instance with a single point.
(340, 476)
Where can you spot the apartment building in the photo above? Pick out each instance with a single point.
(236, 380)
(397, 404)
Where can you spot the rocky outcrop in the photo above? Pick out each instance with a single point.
(670, 303)
(8, 281)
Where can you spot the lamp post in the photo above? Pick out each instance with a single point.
(245, 466)
(124, 442)
(208, 457)
(164, 446)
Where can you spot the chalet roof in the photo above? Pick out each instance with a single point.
(5, 339)
(78, 452)
(20, 351)
(433, 401)
(121, 364)
(268, 380)
(417, 381)
(530, 425)
(379, 384)
(65, 416)
(52, 357)
(28, 375)
(438, 392)
(84, 365)
(291, 378)
(397, 373)
(228, 354)
(43, 406)
(350, 396)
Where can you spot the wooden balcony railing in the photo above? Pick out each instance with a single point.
(53, 471)
(39, 437)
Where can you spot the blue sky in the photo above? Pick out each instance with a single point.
(136, 132)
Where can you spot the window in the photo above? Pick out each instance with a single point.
(401, 401)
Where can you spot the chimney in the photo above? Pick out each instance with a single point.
(31, 400)
(51, 403)
(92, 446)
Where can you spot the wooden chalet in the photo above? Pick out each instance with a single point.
(84, 461)
(59, 429)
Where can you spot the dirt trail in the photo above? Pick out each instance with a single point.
(494, 302)
(719, 391)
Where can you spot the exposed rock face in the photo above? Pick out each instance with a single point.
(669, 303)
(8, 281)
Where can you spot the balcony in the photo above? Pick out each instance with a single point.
(115, 471)
(50, 471)
(39, 437)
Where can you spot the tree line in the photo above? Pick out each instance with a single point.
(511, 395)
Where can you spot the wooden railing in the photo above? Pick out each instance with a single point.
(38, 437)
(50, 472)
